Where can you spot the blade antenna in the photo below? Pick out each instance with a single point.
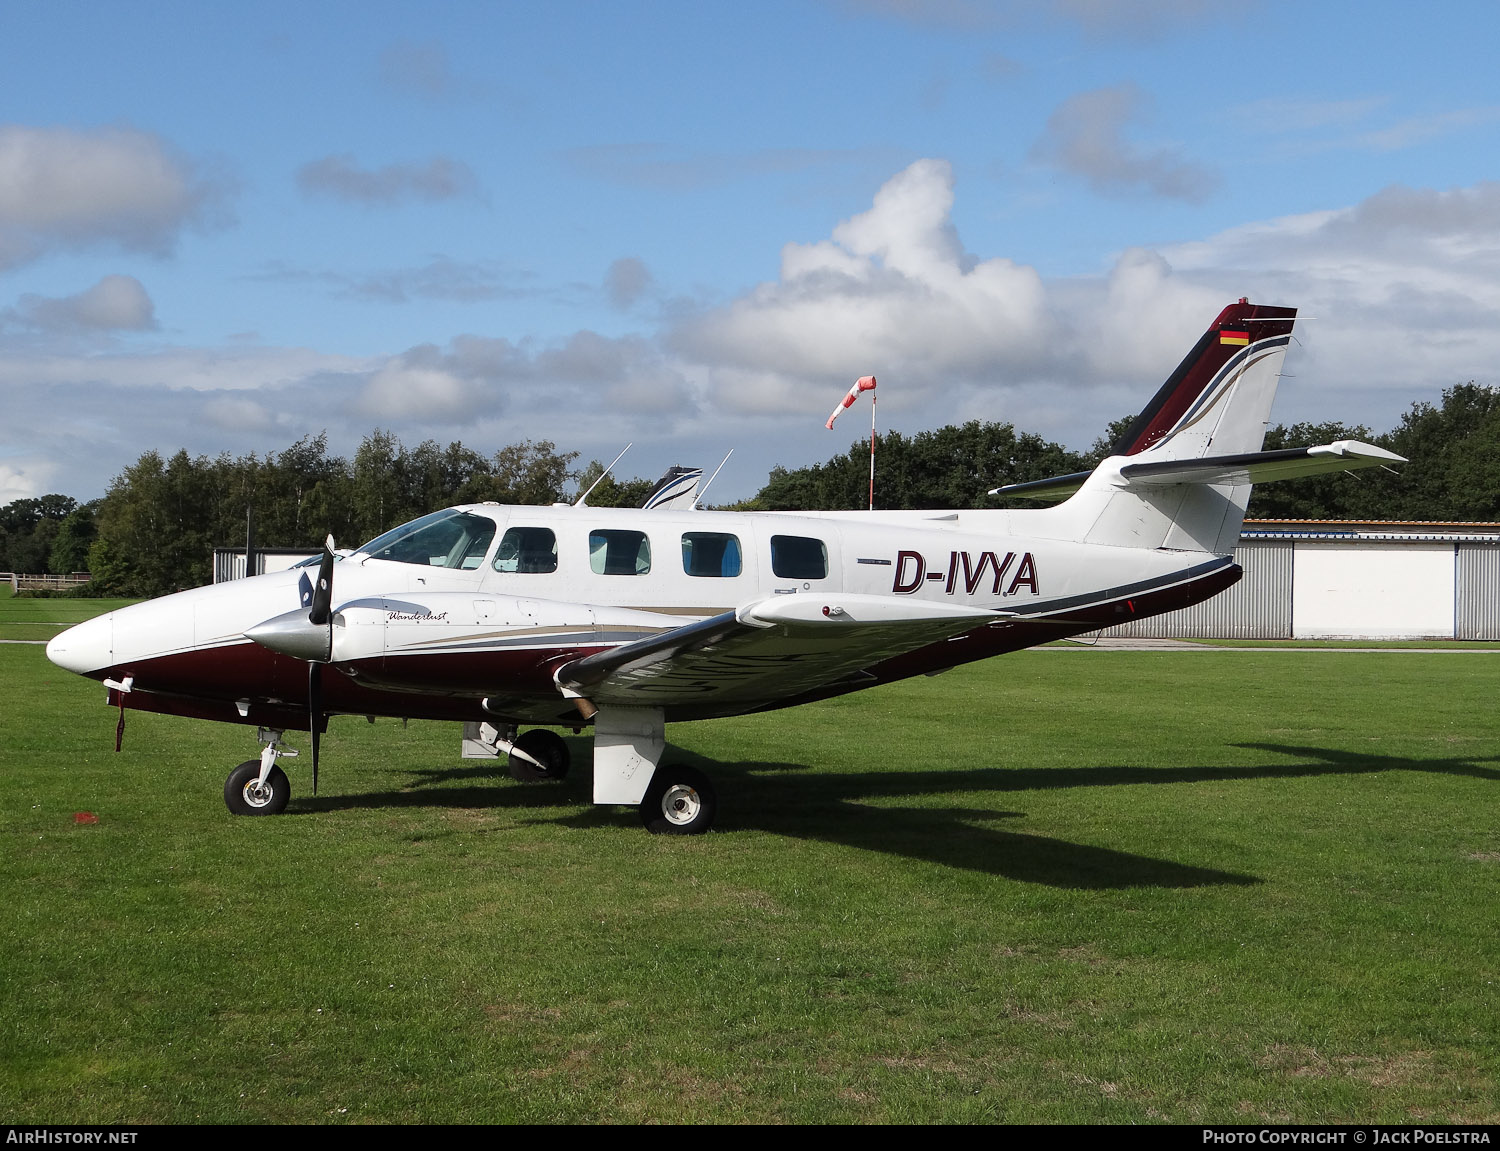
(580, 501)
(703, 491)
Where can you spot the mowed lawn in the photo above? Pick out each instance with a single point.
(1063, 885)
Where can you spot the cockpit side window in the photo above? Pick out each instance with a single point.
(527, 551)
(446, 539)
(619, 552)
(799, 557)
(711, 554)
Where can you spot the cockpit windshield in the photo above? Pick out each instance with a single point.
(446, 539)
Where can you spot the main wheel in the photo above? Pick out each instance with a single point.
(547, 748)
(244, 794)
(680, 801)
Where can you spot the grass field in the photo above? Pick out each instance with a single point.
(1134, 886)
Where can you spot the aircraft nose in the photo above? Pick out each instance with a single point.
(86, 648)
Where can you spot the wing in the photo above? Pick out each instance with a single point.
(770, 649)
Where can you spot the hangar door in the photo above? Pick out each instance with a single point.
(1373, 591)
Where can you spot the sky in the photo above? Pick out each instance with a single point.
(692, 226)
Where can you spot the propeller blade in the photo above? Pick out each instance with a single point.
(322, 602)
(314, 713)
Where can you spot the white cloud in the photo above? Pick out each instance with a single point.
(1400, 296)
(170, 368)
(238, 413)
(67, 189)
(115, 303)
(1085, 136)
(341, 177)
(1402, 290)
(626, 281)
(440, 278)
(891, 289)
(24, 480)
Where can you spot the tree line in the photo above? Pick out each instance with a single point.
(155, 529)
(1453, 448)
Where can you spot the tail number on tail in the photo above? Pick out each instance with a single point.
(966, 571)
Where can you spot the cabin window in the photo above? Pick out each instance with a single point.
(711, 554)
(619, 553)
(799, 557)
(446, 539)
(527, 551)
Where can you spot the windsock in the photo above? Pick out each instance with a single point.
(863, 384)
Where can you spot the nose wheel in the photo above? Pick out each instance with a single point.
(246, 794)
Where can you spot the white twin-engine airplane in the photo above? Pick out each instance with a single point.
(628, 618)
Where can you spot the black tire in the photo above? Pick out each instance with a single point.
(549, 749)
(680, 801)
(242, 798)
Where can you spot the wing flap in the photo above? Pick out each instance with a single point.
(769, 649)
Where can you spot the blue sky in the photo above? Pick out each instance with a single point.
(692, 226)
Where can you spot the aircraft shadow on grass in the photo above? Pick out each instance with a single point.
(849, 809)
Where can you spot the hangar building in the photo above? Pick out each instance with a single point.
(1342, 579)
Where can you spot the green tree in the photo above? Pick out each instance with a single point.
(1336, 495)
(28, 528)
(949, 467)
(611, 492)
(76, 533)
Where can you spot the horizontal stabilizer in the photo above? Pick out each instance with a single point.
(1262, 467)
(1055, 488)
(1245, 468)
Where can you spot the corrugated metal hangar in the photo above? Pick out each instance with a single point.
(1321, 579)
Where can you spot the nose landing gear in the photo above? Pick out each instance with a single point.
(258, 786)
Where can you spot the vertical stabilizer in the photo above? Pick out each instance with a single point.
(677, 489)
(1216, 403)
(1218, 400)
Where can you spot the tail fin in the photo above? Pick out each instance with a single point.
(1219, 399)
(1212, 409)
(677, 489)
(1215, 405)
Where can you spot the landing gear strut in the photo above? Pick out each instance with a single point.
(543, 755)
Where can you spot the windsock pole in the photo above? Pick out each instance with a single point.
(863, 384)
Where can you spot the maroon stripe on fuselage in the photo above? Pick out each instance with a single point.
(205, 683)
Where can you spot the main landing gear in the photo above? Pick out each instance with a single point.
(536, 756)
(539, 755)
(680, 801)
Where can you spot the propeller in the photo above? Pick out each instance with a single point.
(319, 615)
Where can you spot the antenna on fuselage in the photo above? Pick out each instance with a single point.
(698, 503)
(582, 501)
